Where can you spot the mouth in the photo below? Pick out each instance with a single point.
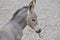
(39, 35)
(38, 32)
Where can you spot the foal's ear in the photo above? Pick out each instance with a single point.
(32, 5)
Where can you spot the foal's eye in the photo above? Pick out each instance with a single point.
(33, 19)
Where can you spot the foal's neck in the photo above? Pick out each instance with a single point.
(20, 17)
(19, 24)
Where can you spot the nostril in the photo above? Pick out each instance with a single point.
(38, 31)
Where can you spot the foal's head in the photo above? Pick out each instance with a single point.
(27, 16)
(32, 17)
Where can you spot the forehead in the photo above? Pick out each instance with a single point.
(33, 15)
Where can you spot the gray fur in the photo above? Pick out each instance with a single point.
(22, 17)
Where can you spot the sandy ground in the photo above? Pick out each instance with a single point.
(48, 12)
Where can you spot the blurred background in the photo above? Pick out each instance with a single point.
(48, 12)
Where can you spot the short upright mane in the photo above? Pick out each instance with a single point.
(18, 11)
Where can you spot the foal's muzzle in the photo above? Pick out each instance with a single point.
(38, 31)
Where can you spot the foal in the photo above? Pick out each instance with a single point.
(24, 16)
